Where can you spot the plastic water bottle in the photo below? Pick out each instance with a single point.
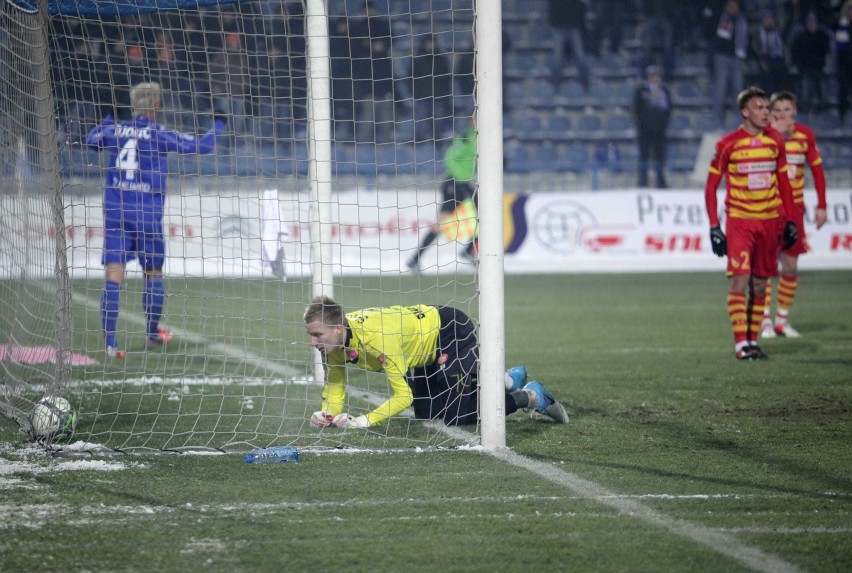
(276, 455)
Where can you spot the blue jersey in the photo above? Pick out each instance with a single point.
(136, 179)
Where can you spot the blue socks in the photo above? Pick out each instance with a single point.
(109, 311)
(152, 302)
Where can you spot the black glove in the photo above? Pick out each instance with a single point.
(718, 241)
(791, 234)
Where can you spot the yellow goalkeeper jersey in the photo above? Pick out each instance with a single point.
(394, 340)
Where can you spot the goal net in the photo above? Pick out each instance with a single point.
(333, 120)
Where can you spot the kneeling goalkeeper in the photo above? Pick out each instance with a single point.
(429, 354)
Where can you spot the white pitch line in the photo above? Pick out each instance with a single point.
(218, 347)
(710, 538)
(713, 539)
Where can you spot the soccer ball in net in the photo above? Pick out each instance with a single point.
(52, 417)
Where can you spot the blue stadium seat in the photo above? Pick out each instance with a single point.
(425, 162)
(689, 94)
(515, 94)
(601, 93)
(540, 92)
(572, 94)
(680, 122)
(704, 122)
(344, 159)
(589, 125)
(843, 157)
(619, 124)
(573, 157)
(542, 157)
(526, 125)
(557, 128)
(519, 65)
(516, 157)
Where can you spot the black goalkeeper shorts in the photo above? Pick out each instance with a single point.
(447, 388)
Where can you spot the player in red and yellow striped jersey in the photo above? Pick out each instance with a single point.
(753, 161)
(429, 354)
(801, 148)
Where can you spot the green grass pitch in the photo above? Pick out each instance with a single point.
(678, 457)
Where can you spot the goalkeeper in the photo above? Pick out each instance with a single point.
(134, 196)
(429, 354)
(457, 218)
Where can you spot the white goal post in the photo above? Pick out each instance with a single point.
(355, 161)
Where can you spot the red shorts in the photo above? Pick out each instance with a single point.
(801, 247)
(753, 246)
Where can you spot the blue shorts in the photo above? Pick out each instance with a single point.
(131, 235)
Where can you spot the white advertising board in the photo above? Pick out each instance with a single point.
(377, 231)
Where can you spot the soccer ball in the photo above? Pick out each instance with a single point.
(52, 417)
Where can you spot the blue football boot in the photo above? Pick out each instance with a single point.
(544, 403)
(515, 378)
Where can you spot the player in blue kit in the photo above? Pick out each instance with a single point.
(134, 196)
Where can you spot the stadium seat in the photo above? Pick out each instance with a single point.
(540, 92)
(557, 128)
(571, 94)
(680, 122)
(601, 93)
(516, 157)
(542, 157)
(424, 160)
(619, 124)
(689, 94)
(526, 125)
(515, 94)
(573, 157)
(589, 125)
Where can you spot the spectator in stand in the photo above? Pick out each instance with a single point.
(768, 45)
(730, 56)
(432, 90)
(229, 83)
(464, 73)
(801, 148)
(74, 75)
(171, 73)
(758, 211)
(343, 112)
(372, 75)
(609, 16)
(292, 22)
(796, 13)
(808, 52)
(652, 110)
(657, 35)
(843, 59)
(567, 19)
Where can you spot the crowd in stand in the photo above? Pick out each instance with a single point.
(248, 60)
(790, 44)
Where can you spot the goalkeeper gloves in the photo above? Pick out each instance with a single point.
(791, 234)
(347, 421)
(718, 241)
(321, 419)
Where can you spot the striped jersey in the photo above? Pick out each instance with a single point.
(801, 149)
(393, 340)
(751, 165)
